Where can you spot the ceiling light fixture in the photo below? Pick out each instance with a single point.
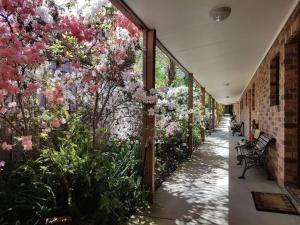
(220, 13)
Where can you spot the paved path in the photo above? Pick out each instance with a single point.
(206, 190)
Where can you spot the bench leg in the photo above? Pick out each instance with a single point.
(238, 153)
(246, 167)
(243, 175)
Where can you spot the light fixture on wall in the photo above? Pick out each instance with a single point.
(227, 96)
(220, 13)
(226, 84)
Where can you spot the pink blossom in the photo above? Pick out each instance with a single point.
(19, 116)
(3, 94)
(93, 88)
(12, 104)
(77, 28)
(6, 147)
(151, 112)
(190, 111)
(26, 142)
(55, 95)
(59, 100)
(3, 110)
(171, 129)
(101, 69)
(152, 99)
(153, 91)
(124, 22)
(2, 164)
(56, 122)
(32, 86)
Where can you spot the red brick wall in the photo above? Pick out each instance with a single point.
(278, 121)
(236, 111)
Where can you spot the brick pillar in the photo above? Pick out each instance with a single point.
(291, 117)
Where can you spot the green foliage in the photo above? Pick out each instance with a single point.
(170, 150)
(198, 110)
(161, 68)
(170, 153)
(25, 198)
(181, 79)
(93, 187)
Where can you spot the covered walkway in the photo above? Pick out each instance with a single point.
(206, 190)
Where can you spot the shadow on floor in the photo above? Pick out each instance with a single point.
(197, 193)
(206, 190)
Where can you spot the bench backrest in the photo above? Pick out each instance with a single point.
(263, 141)
(238, 125)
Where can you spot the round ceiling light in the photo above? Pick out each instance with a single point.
(220, 13)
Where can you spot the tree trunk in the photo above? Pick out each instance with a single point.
(171, 72)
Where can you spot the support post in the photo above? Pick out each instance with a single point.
(210, 113)
(203, 111)
(148, 147)
(213, 114)
(191, 115)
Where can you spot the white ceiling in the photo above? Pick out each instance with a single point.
(216, 53)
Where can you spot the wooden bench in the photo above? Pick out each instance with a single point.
(254, 154)
(237, 128)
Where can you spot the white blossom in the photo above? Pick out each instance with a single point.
(43, 13)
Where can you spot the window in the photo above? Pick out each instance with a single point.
(253, 97)
(274, 81)
(64, 67)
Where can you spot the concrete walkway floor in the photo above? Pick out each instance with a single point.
(206, 190)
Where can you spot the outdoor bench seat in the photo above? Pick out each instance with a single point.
(247, 144)
(237, 128)
(243, 144)
(254, 154)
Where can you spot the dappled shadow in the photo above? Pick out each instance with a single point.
(197, 193)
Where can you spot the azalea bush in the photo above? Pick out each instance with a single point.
(70, 105)
(199, 118)
(171, 118)
(100, 84)
(71, 109)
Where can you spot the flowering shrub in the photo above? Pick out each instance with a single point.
(98, 43)
(199, 119)
(171, 130)
(70, 101)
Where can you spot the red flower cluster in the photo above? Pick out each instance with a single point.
(77, 28)
(124, 22)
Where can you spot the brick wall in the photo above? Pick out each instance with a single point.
(236, 111)
(279, 121)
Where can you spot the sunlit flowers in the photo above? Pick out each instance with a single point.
(151, 112)
(2, 164)
(26, 142)
(6, 147)
(171, 129)
(55, 122)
